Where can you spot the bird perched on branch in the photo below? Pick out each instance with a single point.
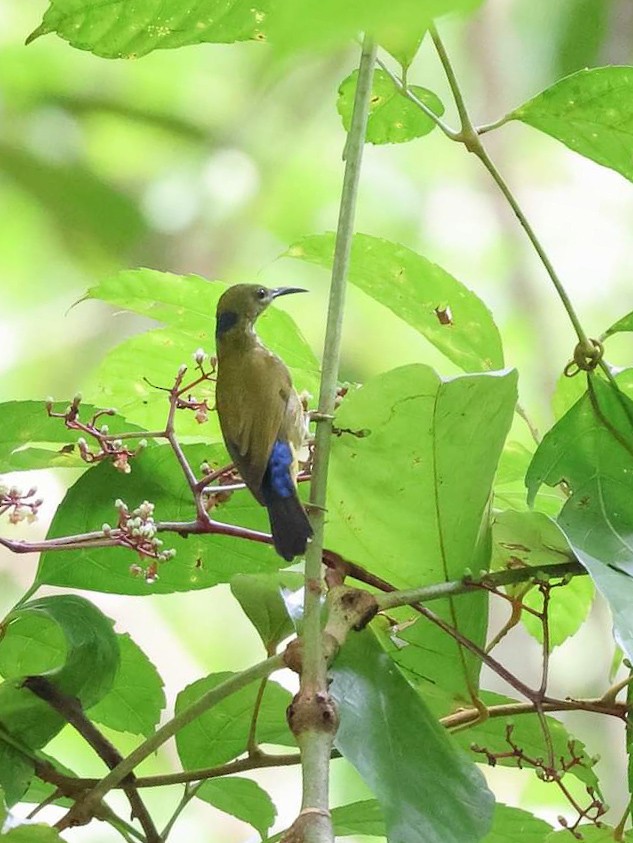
(261, 415)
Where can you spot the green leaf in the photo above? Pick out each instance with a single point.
(392, 117)
(534, 540)
(186, 305)
(30, 439)
(136, 699)
(510, 825)
(412, 461)
(527, 733)
(413, 288)
(260, 596)
(591, 834)
(201, 560)
(591, 112)
(296, 25)
(591, 449)
(87, 212)
(119, 30)
(221, 733)
(88, 671)
(362, 818)
(624, 325)
(405, 753)
(242, 798)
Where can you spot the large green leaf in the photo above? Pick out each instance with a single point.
(89, 214)
(591, 112)
(392, 117)
(201, 560)
(534, 540)
(136, 699)
(86, 670)
(242, 798)
(591, 834)
(591, 448)
(318, 24)
(413, 288)
(221, 733)
(623, 325)
(121, 30)
(30, 439)
(405, 503)
(427, 789)
(186, 305)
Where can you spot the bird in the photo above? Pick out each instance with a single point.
(261, 415)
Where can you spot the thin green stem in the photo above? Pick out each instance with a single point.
(470, 138)
(406, 92)
(490, 127)
(189, 793)
(427, 593)
(168, 730)
(315, 762)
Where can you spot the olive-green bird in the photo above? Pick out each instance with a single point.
(261, 416)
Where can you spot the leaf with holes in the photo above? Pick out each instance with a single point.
(414, 289)
(120, 30)
(591, 112)
(392, 117)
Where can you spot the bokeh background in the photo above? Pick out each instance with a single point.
(213, 160)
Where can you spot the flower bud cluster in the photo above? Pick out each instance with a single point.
(137, 530)
(20, 506)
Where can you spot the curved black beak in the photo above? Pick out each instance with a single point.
(286, 291)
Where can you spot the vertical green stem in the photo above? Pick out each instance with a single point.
(315, 759)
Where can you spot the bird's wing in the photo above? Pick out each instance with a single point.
(252, 402)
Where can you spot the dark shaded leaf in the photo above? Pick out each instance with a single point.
(427, 789)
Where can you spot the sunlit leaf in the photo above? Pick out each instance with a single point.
(591, 834)
(201, 560)
(591, 112)
(392, 117)
(129, 375)
(623, 325)
(296, 25)
(414, 289)
(376, 701)
(29, 439)
(242, 798)
(221, 733)
(534, 540)
(412, 462)
(119, 30)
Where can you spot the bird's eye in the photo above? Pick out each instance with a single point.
(261, 293)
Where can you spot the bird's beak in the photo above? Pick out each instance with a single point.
(285, 291)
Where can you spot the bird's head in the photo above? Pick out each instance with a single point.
(241, 304)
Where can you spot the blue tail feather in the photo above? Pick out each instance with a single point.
(289, 523)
